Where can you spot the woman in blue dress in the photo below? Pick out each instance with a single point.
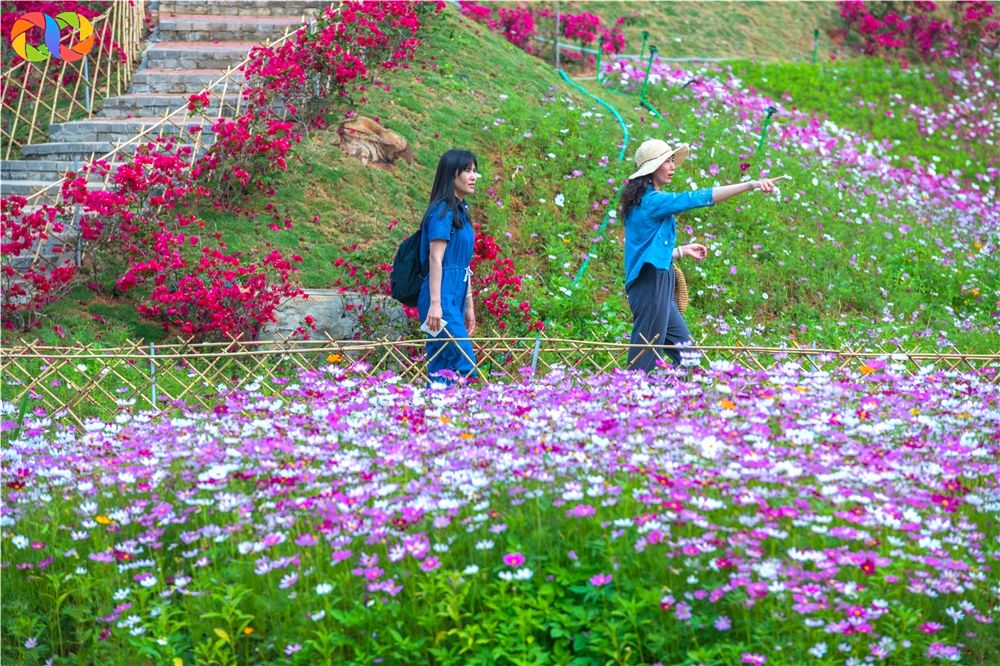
(446, 249)
(650, 234)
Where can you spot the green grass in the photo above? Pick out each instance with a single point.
(836, 90)
(758, 30)
(735, 29)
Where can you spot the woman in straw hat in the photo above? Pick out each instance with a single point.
(650, 232)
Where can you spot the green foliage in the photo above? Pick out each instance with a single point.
(872, 96)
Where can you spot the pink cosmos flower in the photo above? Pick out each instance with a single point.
(513, 559)
(306, 540)
(600, 580)
(581, 511)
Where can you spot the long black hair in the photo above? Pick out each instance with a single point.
(450, 165)
(632, 194)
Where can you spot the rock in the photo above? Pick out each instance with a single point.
(336, 316)
(371, 143)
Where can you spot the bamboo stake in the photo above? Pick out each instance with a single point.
(20, 103)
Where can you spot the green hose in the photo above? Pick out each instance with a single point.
(614, 112)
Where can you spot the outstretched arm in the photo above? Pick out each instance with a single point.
(766, 185)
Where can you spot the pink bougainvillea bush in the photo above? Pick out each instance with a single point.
(782, 516)
(922, 30)
(528, 25)
(185, 277)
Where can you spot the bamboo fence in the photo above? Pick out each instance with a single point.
(73, 384)
(43, 99)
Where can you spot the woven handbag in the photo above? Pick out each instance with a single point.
(680, 289)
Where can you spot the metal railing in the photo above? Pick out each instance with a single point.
(43, 99)
(73, 384)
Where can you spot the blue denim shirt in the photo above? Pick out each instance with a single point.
(650, 229)
(438, 227)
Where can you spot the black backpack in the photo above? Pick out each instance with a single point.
(407, 270)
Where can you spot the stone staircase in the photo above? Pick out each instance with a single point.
(192, 45)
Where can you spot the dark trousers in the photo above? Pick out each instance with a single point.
(655, 318)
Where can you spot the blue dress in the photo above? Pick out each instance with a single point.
(442, 353)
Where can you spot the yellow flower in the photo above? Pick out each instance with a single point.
(334, 358)
(867, 369)
(445, 419)
(248, 630)
(466, 435)
(728, 404)
(103, 520)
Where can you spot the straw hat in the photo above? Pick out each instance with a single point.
(651, 154)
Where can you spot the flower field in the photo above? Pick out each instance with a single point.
(722, 517)
(716, 515)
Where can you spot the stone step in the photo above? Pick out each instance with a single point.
(26, 188)
(44, 170)
(244, 7)
(208, 55)
(123, 129)
(83, 151)
(66, 150)
(209, 28)
(148, 105)
(178, 81)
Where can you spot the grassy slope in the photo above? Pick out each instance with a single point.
(448, 96)
(756, 29)
(477, 79)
